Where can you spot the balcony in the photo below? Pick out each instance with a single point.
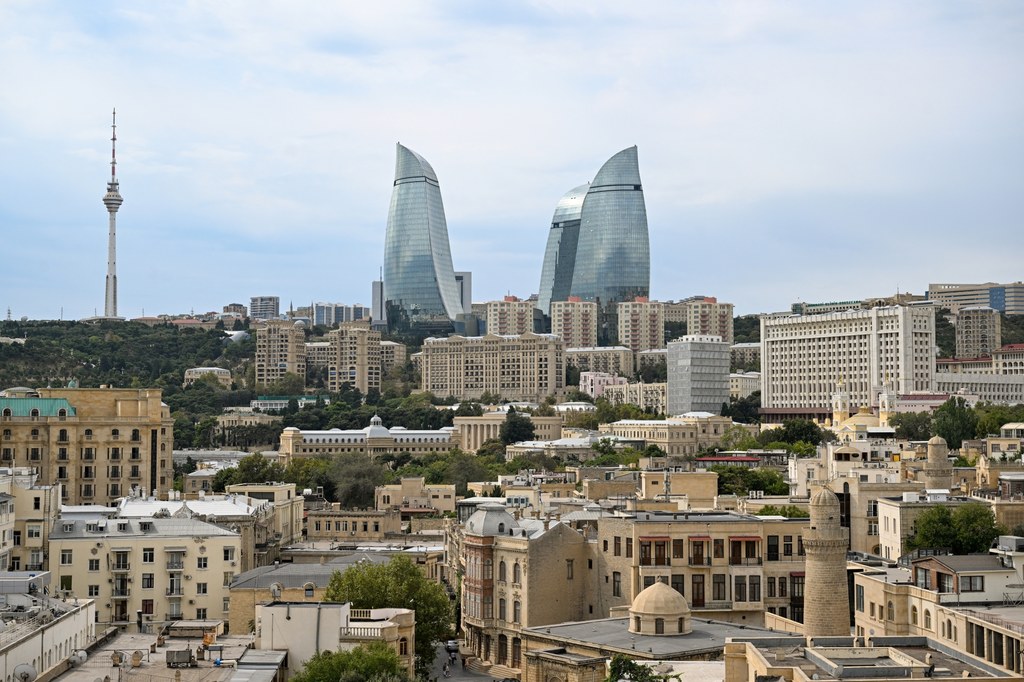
(33, 567)
(655, 561)
(121, 593)
(121, 566)
(714, 605)
(176, 565)
(700, 561)
(745, 561)
(177, 591)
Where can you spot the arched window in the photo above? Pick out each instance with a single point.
(62, 436)
(403, 647)
(517, 611)
(7, 434)
(34, 412)
(927, 619)
(35, 433)
(135, 434)
(88, 434)
(949, 629)
(308, 588)
(891, 612)
(636, 624)
(115, 433)
(7, 412)
(501, 571)
(501, 527)
(913, 615)
(679, 627)
(62, 413)
(515, 572)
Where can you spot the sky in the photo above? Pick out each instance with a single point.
(789, 151)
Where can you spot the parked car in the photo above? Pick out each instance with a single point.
(452, 646)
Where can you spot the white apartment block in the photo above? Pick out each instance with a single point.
(698, 374)
(355, 357)
(641, 324)
(516, 367)
(280, 350)
(333, 314)
(510, 316)
(703, 315)
(1006, 298)
(804, 357)
(575, 321)
(1000, 389)
(265, 307)
(978, 331)
(742, 384)
(193, 374)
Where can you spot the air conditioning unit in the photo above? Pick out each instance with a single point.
(149, 617)
(191, 601)
(188, 577)
(110, 580)
(232, 563)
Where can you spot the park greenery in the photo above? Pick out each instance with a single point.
(965, 529)
(398, 584)
(739, 480)
(790, 511)
(622, 668)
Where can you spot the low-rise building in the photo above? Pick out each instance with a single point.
(652, 398)
(742, 384)
(374, 440)
(474, 431)
(412, 496)
(595, 383)
(352, 525)
(223, 376)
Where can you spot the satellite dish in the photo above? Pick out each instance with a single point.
(25, 672)
(275, 590)
(77, 658)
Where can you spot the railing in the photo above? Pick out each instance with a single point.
(121, 593)
(700, 561)
(121, 567)
(361, 614)
(175, 565)
(361, 632)
(745, 561)
(716, 604)
(175, 591)
(33, 567)
(655, 561)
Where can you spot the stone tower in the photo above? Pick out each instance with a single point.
(826, 601)
(938, 474)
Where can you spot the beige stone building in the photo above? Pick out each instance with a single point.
(703, 315)
(352, 525)
(392, 354)
(355, 357)
(284, 525)
(318, 353)
(978, 331)
(745, 354)
(374, 440)
(609, 359)
(641, 324)
(414, 497)
(698, 489)
(167, 568)
(804, 357)
(97, 443)
(524, 367)
(223, 376)
(509, 316)
(280, 350)
(575, 321)
(474, 431)
(651, 398)
(27, 514)
(683, 435)
(742, 384)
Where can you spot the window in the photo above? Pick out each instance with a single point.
(913, 615)
(34, 531)
(94, 590)
(972, 583)
(568, 569)
(517, 611)
(501, 609)
(678, 549)
(226, 604)
(859, 598)
(872, 507)
(921, 578)
(516, 572)
(798, 586)
(770, 585)
(754, 591)
(890, 612)
(945, 582)
(147, 607)
(616, 584)
(502, 574)
(147, 581)
(229, 554)
(718, 587)
(772, 550)
(629, 547)
(228, 577)
(617, 546)
(201, 614)
(201, 562)
(719, 548)
(94, 564)
(308, 589)
(201, 588)
(148, 555)
(782, 586)
(66, 557)
(787, 545)
(36, 503)
(659, 626)
(740, 588)
(927, 619)
(403, 646)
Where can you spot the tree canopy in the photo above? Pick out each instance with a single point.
(956, 422)
(398, 584)
(516, 428)
(739, 480)
(965, 529)
(373, 662)
(912, 425)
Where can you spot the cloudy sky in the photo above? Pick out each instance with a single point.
(789, 151)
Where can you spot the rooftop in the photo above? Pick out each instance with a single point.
(172, 527)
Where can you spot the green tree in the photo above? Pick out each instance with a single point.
(966, 529)
(516, 428)
(955, 422)
(356, 478)
(738, 480)
(794, 430)
(289, 384)
(469, 410)
(912, 425)
(398, 584)
(745, 410)
(624, 668)
(790, 511)
(366, 662)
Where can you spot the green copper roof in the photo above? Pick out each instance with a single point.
(48, 407)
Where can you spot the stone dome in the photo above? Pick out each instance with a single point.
(659, 610)
(937, 440)
(824, 499)
(846, 450)
(491, 518)
(376, 429)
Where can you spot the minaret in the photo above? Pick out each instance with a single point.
(826, 602)
(112, 200)
(938, 472)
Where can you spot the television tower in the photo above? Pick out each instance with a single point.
(112, 200)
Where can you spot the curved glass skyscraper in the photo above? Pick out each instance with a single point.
(419, 281)
(598, 243)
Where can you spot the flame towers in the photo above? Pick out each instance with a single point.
(420, 289)
(598, 247)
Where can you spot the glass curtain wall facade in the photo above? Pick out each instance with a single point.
(420, 291)
(600, 246)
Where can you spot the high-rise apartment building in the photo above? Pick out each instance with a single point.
(805, 357)
(703, 316)
(978, 331)
(509, 316)
(698, 374)
(265, 307)
(98, 443)
(392, 354)
(524, 367)
(236, 309)
(333, 314)
(641, 324)
(280, 350)
(1006, 298)
(575, 321)
(598, 246)
(420, 290)
(355, 357)
(464, 285)
(610, 359)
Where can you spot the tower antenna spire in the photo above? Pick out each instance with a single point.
(112, 200)
(113, 146)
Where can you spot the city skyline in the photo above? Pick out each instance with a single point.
(788, 141)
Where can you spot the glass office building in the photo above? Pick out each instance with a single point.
(600, 245)
(420, 291)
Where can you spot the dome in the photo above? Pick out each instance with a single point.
(846, 450)
(659, 610)
(937, 440)
(491, 518)
(376, 429)
(824, 498)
